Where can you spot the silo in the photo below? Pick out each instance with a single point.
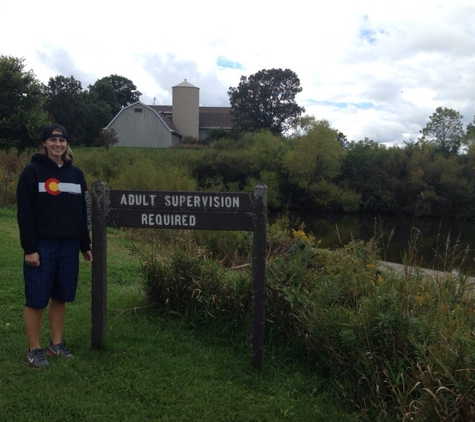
(186, 109)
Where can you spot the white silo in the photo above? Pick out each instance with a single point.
(186, 108)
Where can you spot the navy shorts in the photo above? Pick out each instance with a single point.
(57, 275)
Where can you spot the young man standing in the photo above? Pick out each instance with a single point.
(53, 218)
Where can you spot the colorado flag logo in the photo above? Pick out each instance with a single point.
(52, 186)
(55, 187)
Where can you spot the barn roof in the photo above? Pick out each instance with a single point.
(163, 117)
(215, 117)
(210, 117)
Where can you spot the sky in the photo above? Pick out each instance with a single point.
(373, 69)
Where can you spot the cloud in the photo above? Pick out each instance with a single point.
(169, 71)
(60, 62)
(373, 69)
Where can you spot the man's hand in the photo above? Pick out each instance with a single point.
(87, 255)
(32, 259)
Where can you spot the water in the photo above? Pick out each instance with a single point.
(441, 245)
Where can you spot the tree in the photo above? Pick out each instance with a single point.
(314, 163)
(116, 91)
(469, 137)
(315, 155)
(80, 111)
(66, 104)
(445, 130)
(266, 100)
(376, 173)
(308, 123)
(97, 114)
(22, 116)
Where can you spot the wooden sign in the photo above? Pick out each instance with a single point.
(179, 210)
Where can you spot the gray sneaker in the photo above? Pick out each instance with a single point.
(36, 358)
(58, 350)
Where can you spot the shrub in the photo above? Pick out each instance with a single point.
(107, 138)
(185, 280)
(398, 346)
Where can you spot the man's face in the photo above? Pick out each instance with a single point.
(56, 146)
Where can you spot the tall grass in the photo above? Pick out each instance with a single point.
(150, 170)
(120, 168)
(399, 346)
(10, 168)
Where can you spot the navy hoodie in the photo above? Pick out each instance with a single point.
(53, 203)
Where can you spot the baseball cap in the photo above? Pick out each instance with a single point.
(48, 132)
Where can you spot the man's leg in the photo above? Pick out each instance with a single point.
(56, 315)
(33, 319)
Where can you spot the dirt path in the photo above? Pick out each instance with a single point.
(436, 275)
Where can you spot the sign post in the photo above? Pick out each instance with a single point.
(179, 210)
(259, 274)
(99, 263)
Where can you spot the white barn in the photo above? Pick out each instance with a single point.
(141, 125)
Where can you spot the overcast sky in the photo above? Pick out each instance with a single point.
(375, 69)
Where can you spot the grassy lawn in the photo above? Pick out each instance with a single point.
(151, 369)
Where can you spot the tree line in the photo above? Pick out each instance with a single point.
(319, 171)
(305, 162)
(27, 105)
(262, 101)
(265, 100)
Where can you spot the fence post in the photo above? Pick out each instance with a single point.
(259, 270)
(99, 263)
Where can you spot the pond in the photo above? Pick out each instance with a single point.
(437, 244)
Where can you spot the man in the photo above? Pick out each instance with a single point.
(53, 218)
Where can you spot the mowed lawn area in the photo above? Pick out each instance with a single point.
(152, 367)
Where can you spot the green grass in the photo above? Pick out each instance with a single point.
(151, 368)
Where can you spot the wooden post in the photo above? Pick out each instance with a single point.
(99, 264)
(259, 270)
